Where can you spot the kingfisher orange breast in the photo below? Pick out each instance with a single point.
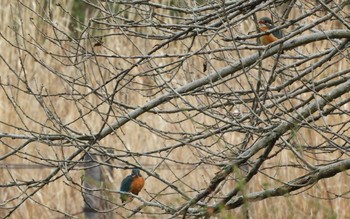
(137, 184)
(268, 38)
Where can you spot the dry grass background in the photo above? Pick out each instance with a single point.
(64, 196)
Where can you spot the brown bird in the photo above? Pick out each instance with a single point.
(266, 24)
(133, 184)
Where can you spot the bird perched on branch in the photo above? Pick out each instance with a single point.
(266, 24)
(133, 184)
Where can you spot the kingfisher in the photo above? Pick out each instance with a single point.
(133, 184)
(266, 24)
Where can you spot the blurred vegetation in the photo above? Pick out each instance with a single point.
(62, 72)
